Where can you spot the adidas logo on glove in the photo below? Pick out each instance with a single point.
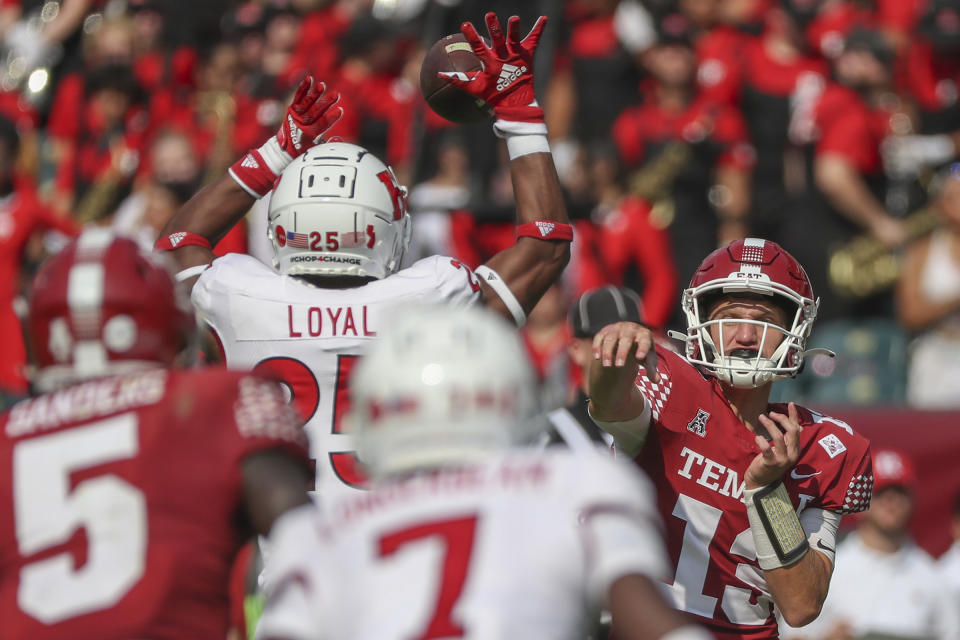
(177, 238)
(295, 133)
(249, 162)
(508, 75)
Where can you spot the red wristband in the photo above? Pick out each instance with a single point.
(252, 174)
(181, 239)
(546, 230)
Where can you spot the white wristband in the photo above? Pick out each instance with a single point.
(523, 138)
(525, 145)
(508, 128)
(777, 533)
(496, 283)
(275, 158)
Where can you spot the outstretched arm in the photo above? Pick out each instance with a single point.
(515, 279)
(213, 211)
(531, 265)
(616, 404)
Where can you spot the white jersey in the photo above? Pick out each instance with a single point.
(887, 594)
(948, 566)
(309, 338)
(524, 545)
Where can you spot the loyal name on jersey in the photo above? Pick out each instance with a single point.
(327, 322)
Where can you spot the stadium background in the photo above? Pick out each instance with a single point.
(140, 102)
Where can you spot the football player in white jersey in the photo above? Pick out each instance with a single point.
(339, 227)
(465, 534)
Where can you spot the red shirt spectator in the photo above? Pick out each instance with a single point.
(649, 126)
(626, 240)
(595, 74)
(317, 51)
(780, 85)
(21, 214)
(850, 127)
(719, 53)
(110, 141)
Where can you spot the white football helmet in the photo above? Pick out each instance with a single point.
(441, 385)
(338, 210)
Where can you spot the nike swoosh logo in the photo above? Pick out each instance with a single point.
(801, 476)
(823, 546)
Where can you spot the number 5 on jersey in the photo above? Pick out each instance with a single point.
(49, 509)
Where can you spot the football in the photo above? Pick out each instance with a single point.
(451, 53)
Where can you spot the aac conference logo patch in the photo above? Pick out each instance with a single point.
(699, 424)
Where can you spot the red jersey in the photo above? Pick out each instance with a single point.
(649, 125)
(932, 79)
(696, 453)
(627, 238)
(21, 214)
(119, 502)
(848, 126)
(717, 61)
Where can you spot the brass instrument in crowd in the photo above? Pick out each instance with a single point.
(654, 181)
(221, 106)
(865, 266)
(101, 198)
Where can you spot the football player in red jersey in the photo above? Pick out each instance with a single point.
(751, 492)
(127, 487)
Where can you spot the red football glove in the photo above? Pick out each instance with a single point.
(506, 81)
(309, 116)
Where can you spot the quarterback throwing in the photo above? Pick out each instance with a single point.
(751, 492)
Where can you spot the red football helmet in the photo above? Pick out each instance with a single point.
(103, 306)
(750, 266)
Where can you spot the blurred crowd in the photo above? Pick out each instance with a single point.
(829, 126)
